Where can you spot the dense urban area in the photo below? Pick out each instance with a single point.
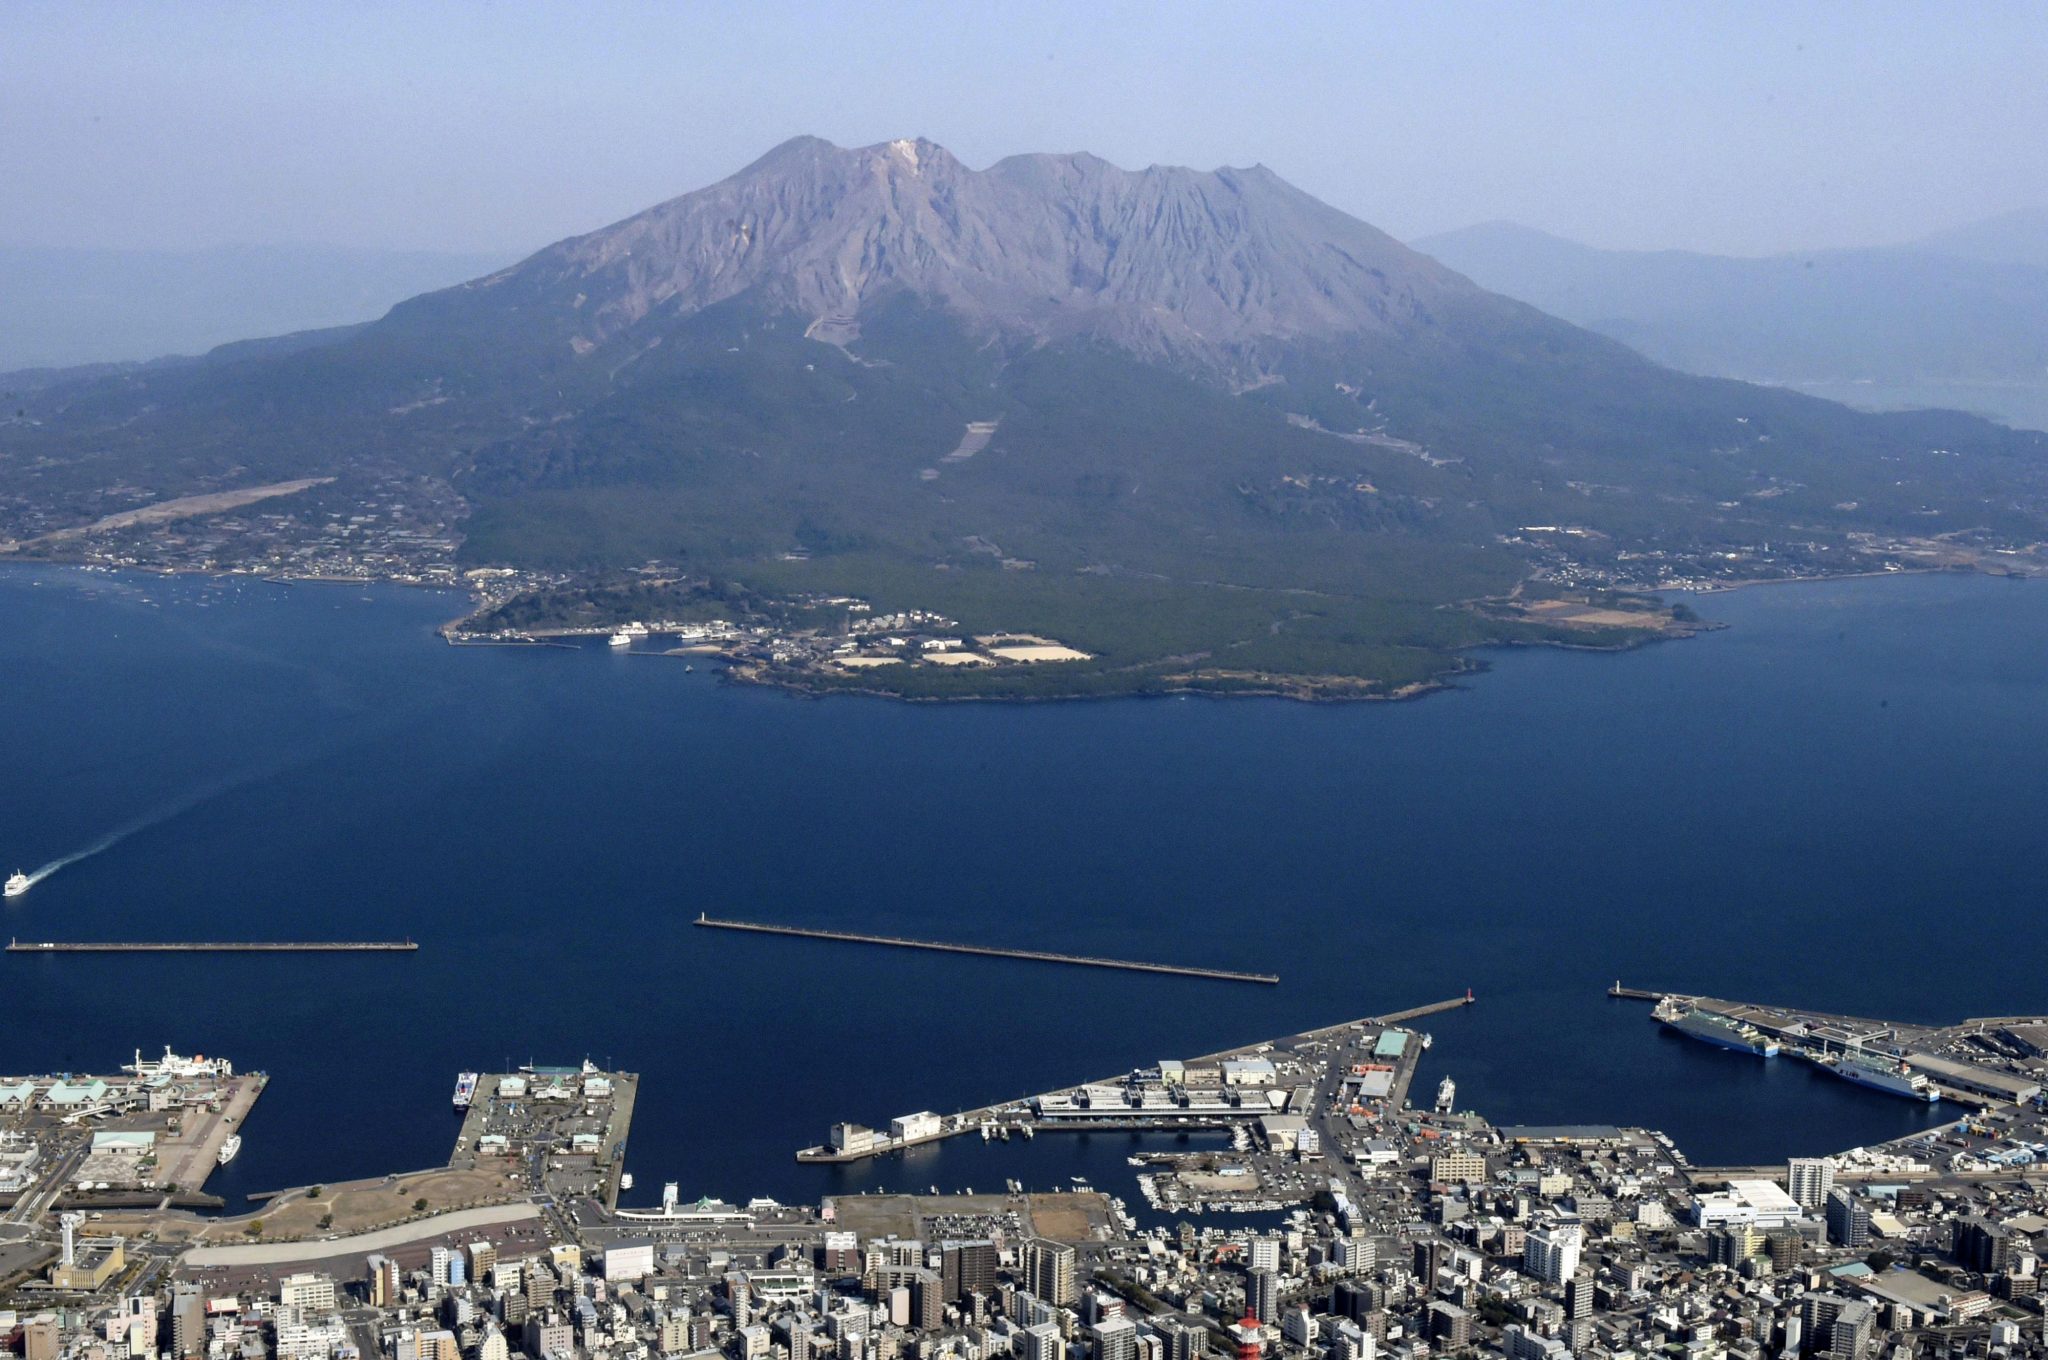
(1385, 1225)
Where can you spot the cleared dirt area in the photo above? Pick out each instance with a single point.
(1070, 1216)
(186, 507)
(1591, 616)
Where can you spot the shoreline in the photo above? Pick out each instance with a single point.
(735, 670)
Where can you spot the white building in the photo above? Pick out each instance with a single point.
(629, 1259)
(1763, 1204)
(1551, 1253)
(1809, 1180)
(307, 1292)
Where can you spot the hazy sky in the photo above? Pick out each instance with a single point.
(502, 126)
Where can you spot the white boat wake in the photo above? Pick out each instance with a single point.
(143, 823)
(106, 842)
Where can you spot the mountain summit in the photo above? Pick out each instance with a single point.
(1161, 414)
(1163, 261)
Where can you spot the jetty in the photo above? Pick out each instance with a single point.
(211, 947)
(991, 951)
(1162, 1107)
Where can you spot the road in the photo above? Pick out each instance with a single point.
(278, 1253)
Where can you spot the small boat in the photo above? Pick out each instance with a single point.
(17, 884)
(625, 1180)
(229, 1149)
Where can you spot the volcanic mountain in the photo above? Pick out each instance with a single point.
(1174, 411)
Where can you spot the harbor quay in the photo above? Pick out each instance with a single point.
(147, 1134)
(1340, 1211)
(1255, 1090)
(1982, 1063)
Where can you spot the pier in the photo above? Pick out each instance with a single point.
(1622, 993)
(1433, 1008)
(1017, 1116)
(991, 951)
(211, 947)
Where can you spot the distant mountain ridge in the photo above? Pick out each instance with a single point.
(1221, 420)
(1162, 261)
(1960, 317)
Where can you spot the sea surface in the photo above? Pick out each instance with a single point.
(1837, 801)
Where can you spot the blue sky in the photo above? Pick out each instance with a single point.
(1736, 127)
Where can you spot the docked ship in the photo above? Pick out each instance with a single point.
(228, 1149)
(176, 1067)
(17, 884)
(1709, 1028)
(465, 1089)
(1882, 1072)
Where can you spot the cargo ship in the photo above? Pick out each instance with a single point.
(465, 1089)
(1882, 1072)
(1710, 1028)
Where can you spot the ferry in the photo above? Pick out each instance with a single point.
(1882, 1072)
(228, 1149)
(17, 884)
(622, 638)
(174, 1066)
(1710, 1028)
(625, 1180)
(465, 1089)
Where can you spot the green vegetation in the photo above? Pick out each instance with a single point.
(1185, 536)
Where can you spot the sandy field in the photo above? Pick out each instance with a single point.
(1039, 651)
(187, 507)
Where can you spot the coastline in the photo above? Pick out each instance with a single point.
(1333, 689)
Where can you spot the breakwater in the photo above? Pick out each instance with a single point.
(992, 951)
(211, 946)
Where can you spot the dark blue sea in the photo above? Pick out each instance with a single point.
(1837, 801)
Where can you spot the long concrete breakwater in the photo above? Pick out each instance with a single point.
(211, 947)
(991, 951)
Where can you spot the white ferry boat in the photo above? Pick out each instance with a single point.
(228, 1149)
(17, 884)
(622, 638)
(177, 1067)
(1884, 1073)
(465, 1089)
